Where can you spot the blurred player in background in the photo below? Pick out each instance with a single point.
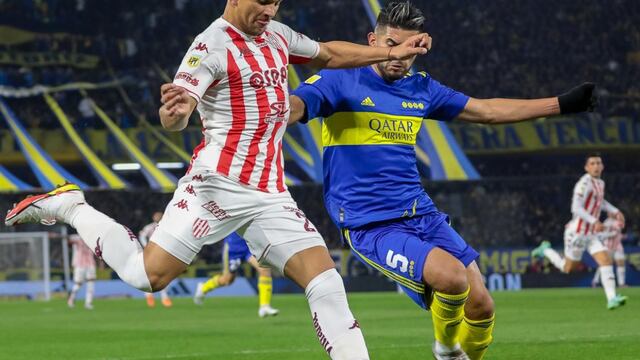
(236, 252)
(143, 237)
(612, 238)
(84, 271)
(373, 189)
(582, 231)
(235, 73)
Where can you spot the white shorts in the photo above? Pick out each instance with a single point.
(82, 274)
(576, 244)
(206, 207)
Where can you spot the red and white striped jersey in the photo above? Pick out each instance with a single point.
(241, 85)
(145, 234)
(612, 234)
(82, 254)
(587, 203)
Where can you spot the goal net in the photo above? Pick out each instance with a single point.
(25, 266)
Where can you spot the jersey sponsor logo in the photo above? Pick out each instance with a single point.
(313, 79)
(412, 105)
(197, 178)
(392, 129)
(370, 128)
(356, 325)
(200, 228)
(270, 77)
(202, 47)
(278, 113)
(215, 210)
(367, 102)
(188, 78)
(194, 60)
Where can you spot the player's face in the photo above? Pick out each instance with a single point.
(255, 15)
(390, 37)
(594, 166)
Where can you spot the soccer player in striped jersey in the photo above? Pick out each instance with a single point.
(235, 73)
(234, 253)
(372, 186)
(612, 237)
(84, 272)
(581, 233)
(143, 236)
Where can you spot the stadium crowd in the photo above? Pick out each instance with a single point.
(484, 48)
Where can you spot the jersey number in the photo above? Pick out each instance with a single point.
(397, 261)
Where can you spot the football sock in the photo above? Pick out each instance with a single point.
(211, 284)
(338, 331)
(596, 277)
(475, 336)
(265, 289)
(74, 291)
(91, 287)
(447, 312)
(608, 281)
(555, 258)
(164, 294)
(621, 273)
(112, 242)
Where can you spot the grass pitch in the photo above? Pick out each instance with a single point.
(532, 324)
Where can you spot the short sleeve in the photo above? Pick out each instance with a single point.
(445, 103)
(320, 94)
(301, 48)
(199, 69)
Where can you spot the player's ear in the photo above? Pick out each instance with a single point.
(371, 37)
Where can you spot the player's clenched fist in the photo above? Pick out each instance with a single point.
(176, 107)
(415, 45)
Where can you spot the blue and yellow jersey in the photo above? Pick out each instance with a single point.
(368, 134)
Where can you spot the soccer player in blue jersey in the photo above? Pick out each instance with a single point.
(372, 186)
(235, 252)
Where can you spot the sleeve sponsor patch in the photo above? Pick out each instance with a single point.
(313, 79)
(194, 60)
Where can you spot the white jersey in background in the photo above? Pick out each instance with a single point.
(241, 85)
(145, 234)
(587, 203)
(82, 255)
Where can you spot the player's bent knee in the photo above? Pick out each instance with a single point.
(480, 306)
(445, 274)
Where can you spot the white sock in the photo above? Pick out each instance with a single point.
(621, 273)
(608, 281)
(338, 331)
(91, 287)
(163, 294)
(596, 277)
(112, 242)
(74, 291)
(555, 258)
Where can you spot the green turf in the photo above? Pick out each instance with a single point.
(533, 324)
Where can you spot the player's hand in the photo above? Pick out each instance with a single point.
(579, 99)
(598, 227)
(176, 107)
(620, 217)
(416, 45)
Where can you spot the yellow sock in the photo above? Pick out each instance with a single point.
(475, 336)
(447, 312)
(211, 284)
(265, 289)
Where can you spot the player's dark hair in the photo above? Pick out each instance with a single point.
(401, 14)
(592, 155)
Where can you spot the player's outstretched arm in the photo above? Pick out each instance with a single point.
(297, 108)
(342, 54)
(610, 209)
(501, 111)
(177, 106)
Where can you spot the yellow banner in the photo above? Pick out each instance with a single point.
(102, 142)
(82, 61)
(548, 134)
